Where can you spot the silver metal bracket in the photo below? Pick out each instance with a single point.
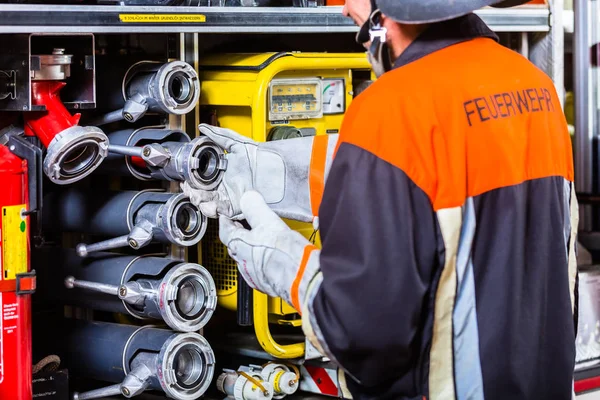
(136, 382)
(135, 108)
(113, 390)
(153, 154)
(129, 292)
(139, 237)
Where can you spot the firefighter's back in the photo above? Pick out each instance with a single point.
(481, 131)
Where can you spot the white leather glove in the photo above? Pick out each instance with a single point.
(237, 179)
(271, 257)
(279, 170)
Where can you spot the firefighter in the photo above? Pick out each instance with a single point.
(446, 209)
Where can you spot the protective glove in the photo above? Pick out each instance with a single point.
(289, 174)
(271, 257)
(237, 179)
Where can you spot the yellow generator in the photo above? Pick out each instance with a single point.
(274, 96)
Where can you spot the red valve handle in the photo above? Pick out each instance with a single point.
(47, 124)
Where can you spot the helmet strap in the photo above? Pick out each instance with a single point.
(379, 52)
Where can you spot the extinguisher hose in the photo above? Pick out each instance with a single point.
(47, 364)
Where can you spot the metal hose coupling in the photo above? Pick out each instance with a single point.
(170, 218)
(126, 156)
(183, 295)
(73, 151)
(187, 297)
(179, 364)
(172, 88)
(199, 162)
(203, 164)
(135, 218)
(273, 380)
(149, 86)
(244, 384)
(284, 378)
(186, 365)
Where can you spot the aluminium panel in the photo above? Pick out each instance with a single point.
(19, 18)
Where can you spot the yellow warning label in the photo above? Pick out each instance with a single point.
(162, 18)
(14, 241)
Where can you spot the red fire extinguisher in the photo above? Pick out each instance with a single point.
(16, 281)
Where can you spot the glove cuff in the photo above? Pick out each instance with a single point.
(309, 266)
(291, 174)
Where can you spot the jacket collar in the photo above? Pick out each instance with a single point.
(444, 34)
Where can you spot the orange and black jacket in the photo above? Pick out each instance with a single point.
(448, 224)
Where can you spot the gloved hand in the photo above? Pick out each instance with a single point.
(237, 179)
(278, 170)
(271, 257)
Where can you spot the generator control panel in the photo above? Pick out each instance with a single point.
(274, 96)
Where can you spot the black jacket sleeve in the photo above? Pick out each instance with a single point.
(378, 259)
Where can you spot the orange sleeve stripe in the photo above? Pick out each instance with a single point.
(316, 179)
(296, 285)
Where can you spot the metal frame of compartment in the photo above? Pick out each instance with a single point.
(538, 31)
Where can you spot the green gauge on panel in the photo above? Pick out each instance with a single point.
(295, 99)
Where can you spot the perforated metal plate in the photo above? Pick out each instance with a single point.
(217, 261)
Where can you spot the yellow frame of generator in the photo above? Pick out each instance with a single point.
(236, 86)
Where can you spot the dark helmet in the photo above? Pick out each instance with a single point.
(413, 12)
(426, 11)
